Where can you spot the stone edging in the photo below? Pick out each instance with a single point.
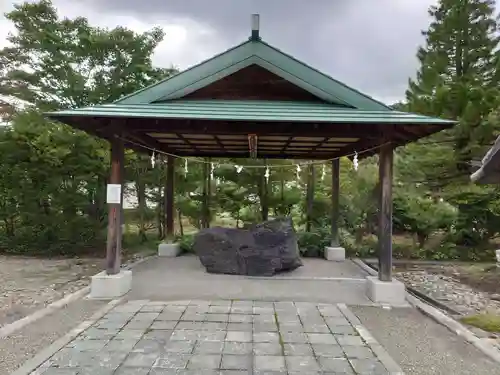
(365, 267)
(380, 352)
(443, 319)
(305, 278)
(455, 327)
(54, 306)
(35, 362)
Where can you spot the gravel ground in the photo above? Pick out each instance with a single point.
(450, 291)
(422, 346)
(25, 343)
(29, 284)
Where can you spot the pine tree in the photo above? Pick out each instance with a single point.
(458, 76)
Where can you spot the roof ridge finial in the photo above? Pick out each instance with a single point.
(255, 27)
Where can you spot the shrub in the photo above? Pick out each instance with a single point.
(186, 243)
(312, 244)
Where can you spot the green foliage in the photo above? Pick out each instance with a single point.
(53, 178)
(53, 181)
(312, 244)
(186, 243)
(487, 322)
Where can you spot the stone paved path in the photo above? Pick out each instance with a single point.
(221, 337)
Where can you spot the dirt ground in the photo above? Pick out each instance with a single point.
(28, 284)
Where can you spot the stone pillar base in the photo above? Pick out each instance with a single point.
(385, 292)
(169, 250)
(104, 286)
(335, 254)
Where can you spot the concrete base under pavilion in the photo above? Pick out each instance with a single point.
(385, 292)
(169, 250)
(335, 254)
(104, 286)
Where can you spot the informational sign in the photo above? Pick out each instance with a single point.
(114, 193)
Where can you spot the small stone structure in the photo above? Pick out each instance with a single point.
(261, 250)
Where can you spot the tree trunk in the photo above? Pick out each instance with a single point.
(181, 227)
(205, 214)
(263, 196)
(310, 196)
(9, 227)
(140, 188)
(422, 239)
(159, 215)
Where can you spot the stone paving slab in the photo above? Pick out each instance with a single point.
(221, 337)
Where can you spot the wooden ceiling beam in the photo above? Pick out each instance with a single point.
(246, 155)
(187, 141)
(219, 142)
(286, 143)
(261, 129)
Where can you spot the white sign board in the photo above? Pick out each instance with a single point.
(114, 193)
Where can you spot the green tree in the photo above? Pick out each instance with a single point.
(458, 76)
(51, 63)
(458, 79)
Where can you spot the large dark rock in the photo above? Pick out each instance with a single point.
(261, 250)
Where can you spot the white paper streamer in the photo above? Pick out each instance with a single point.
(212, 171)
(355, 161)
(153, 160)
(185, 167)
(323, 173)
(298, 172)
(267, 174)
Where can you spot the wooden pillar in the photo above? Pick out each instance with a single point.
(385, 213)
(114, 239)
(335, 203)
(169, 199)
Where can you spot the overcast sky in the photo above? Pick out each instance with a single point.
(367, 44)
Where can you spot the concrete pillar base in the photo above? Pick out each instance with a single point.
(385, 292)
(104, 286)
(335, 254)
(169, 250)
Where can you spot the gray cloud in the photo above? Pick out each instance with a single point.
(370, 45)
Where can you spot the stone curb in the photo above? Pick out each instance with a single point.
(380, 352)
(365, 267)
(443, 319)
(455, 327)
(54, 306)
(35, 362)
(306, 278)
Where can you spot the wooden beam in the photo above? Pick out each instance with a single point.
(169, 199)
(335, 214)
(261, 129)
(221, 145)
(288, 141)
(114, 238)
(186, 141)
(245, 155)
(320, 144)
(385, 213)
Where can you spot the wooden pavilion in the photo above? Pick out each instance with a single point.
(253, 92)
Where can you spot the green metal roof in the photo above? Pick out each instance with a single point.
(249, 111)
(246, 54)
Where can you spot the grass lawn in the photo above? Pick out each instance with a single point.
(487, 322)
